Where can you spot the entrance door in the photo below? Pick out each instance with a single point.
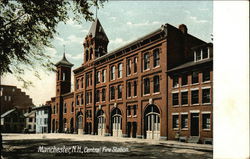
(153, 131)
(117, 126)
(152, 122)
(129, 129)
(195, 124)
(134, 129)
(101, 125)
(79, 124)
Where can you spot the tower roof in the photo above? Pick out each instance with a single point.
(97, 30)
(64, 62)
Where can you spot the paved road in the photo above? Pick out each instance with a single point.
(28, 148)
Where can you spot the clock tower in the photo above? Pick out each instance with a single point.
(95, 43)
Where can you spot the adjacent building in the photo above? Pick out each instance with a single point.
(12, 97)
(30, 122)
(12, 121)
(190, 102)
(128, 92)
(43, 119)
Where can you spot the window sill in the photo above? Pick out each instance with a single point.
(194, 84)
(134, 96)
(206, 82)
(145, 95)
(146, 70)
(176, 105)
(195, 104)
(129, 116)
(206, 129)
(134, 116)
(156, 67)
(206, 103)
(113, 100)
(129, 75)
(176, 86)
(119, 99)
(184, 129)
(156, 93)
(184, 85)
(175, 129)
(184, 105)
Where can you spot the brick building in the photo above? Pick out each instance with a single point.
(13, 97)
(124, 92)
(190, 97)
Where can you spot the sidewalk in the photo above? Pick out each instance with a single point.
(76, 137)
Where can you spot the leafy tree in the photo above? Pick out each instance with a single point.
(28, 26)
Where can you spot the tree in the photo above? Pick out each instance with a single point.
(27, 27)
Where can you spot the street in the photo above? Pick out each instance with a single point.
(90, 146)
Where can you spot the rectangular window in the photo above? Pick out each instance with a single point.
(97, 95)
(184, 80)
(206, 76)
(206, 95)
(129, 89)
(87, 80)
(65, 108)
(103, 94)
(195, 96)
(77, 84)
(135, 64)
(206, 121)
(72, 107)
(129, 111)
(30, 119)
(77, 100)
(175, 81)
(184, 98)
(198, 55)
(175, 98)
(112, 93)
(98, 77)
(156, 57)
(195, 77)
(9, 98)
(146, 86)
(175, 121)
(135, 88)
(119, 91)
(128, 67)
(205, 53)
(146, 61)
(112, 73)
(156, 84)
(120, 70)
(81, 99)
(103, 75)
(184, 121)
(135, 110)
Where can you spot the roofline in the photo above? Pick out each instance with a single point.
(130, 43)
(194, 64)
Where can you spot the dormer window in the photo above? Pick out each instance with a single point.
(201, 54)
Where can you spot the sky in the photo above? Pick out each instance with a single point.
(123, 21)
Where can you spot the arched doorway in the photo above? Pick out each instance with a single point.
(152, 122)
(101, 122)
(116, 121)
(71, 125)
(79, 122)
(53, 125)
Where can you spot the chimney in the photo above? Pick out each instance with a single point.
(183, 28)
